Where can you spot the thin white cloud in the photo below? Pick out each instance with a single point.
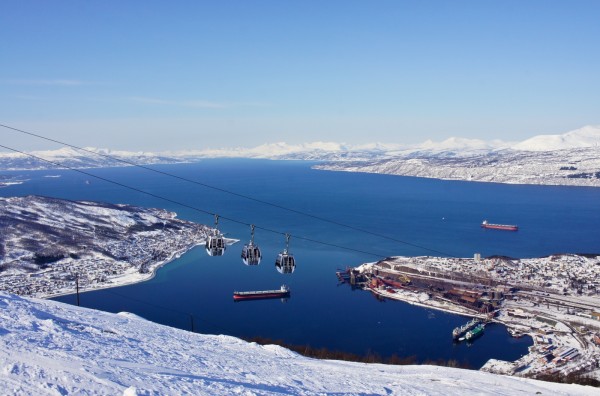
(199, 104)
(50, 82)
(28, 97)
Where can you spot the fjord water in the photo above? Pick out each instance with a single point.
(443, 216)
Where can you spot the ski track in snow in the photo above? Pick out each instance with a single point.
(49, 348)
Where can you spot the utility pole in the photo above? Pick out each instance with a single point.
(77, 286)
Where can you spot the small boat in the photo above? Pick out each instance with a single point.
(505, 227)
(283, 292)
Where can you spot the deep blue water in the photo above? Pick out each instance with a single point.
(440, 215)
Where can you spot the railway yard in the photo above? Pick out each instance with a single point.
(554, 299)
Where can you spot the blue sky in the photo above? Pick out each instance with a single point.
(158, 75)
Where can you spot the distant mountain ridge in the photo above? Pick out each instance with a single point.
(588, 136)
(572, 158)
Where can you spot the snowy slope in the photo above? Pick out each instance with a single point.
(70, 158)
(571, 159)
(459, 145)
(588, 136)
(51, 348)
(575, 167)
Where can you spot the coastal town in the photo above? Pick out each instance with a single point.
(554, 299)
(95, 271)
(55, 246)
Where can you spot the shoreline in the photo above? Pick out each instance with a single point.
(398, 297)
(492, 365)
(128, 279)
(122, 281)
(575, 182)
(334, 166)
(564, 338)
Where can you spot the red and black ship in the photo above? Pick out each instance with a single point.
(283, 292)
(505, 227)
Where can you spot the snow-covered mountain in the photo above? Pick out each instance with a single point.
(572, 158)
(72, 158)
(49, 348)
(576, 167)
(588, 136)
(569, 159)
(458, 145)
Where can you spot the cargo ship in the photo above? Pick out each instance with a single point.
(476, 332)
(505, 227)
(283, 292)
(460, 331)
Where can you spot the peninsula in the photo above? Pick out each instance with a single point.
(554, 299)
(47, 245)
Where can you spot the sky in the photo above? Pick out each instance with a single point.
(162, 75)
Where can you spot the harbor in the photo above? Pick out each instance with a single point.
(565, 327)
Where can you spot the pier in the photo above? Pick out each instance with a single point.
(529, 296)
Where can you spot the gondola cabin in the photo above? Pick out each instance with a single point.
(215, 245)
(285, 263)
(251, 254)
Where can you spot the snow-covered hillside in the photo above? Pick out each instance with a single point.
(572, 158)
(55, 349)
(588, 136)
(569, 159)
(71, 158)
(50, 242)
(576, 167)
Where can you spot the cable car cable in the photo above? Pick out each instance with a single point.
(230, 192)
(177, 311)
(189, 206)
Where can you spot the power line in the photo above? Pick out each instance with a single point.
(337, 223)
(189, 206)
(153, 305)
(173, 310)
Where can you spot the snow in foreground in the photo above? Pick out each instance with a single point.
(52, 348)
